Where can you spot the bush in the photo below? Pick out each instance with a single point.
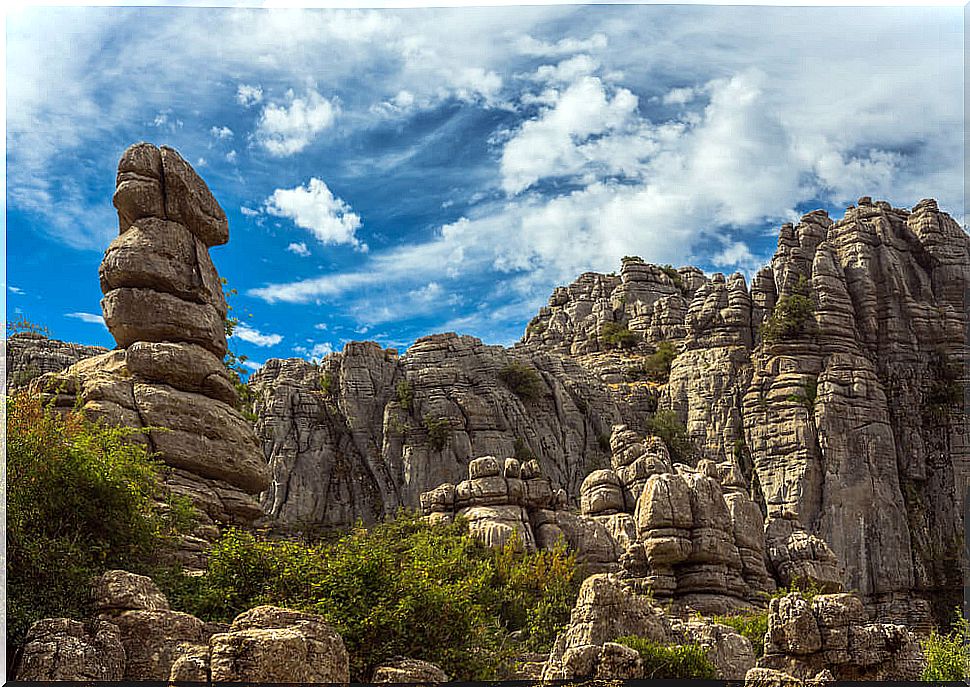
(521, 451)
(791, 315)
(656, 368)
(683, 661)
(948, 656)
(615, 335)
(327, 384)
(674, 276)
(405, 394)
(522, 380)
(439, 428)
(23, 325)
(808, 395)
(754, 626)
(81, 499)
(668, 427)
(402, 588)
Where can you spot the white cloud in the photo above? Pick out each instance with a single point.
(247, 95)
(253, 365)
(15, 289)
(736, 254)
(221, 132)
(316, 351)
(254, 336)
(286, 129)
(528, 45)
(567, 71)
(679, 96)
(472, 83)
(231, 157)
(249, 212)
(90, 318)
(299, 249)
(322, 326)
(315, 208)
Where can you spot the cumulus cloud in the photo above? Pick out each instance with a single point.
(528, 45)
(299, 249)
(247, 95)
(315, 208)
(679, 96)
(221, 132)
(284, 129)
(566, 71)
(316, 351)
(254, 336)
(253, 365)
(88, 317)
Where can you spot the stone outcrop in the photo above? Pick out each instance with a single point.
(410, 671)
(832, 632)
(31, 354)
(136, 637)
(164, 305)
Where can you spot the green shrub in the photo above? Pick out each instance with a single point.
(521, 451)
(327, 383)
(405, 394)
(631, 258)
(22, 324)
(674, 276)
(615, 335)
(81, 499)
(656, 367)
(808, 395)
(682, 661)
(948, 655)
(402, 588)
(792, 314)
(754, 626)
(666, 425)
(522, 380)
(439, 429)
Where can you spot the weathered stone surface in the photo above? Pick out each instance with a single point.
(189, 201)
(409, 670)
(30, 355)
(138, 191)
(184, 366)
(731, 654)
(63, 649)
(153, 639)
(269, 644)
(119, 590)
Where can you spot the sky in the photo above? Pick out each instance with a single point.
(389, 174)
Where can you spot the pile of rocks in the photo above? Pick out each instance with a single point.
(136, 637)
(164, 305)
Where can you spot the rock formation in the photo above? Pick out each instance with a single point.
(164, 305)
(31, 354)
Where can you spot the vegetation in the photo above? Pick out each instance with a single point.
(234, 362)
(24, 376)
(792, 314)
(948, 655)
(536, 328)
(405, 394)
(521, 451)
(23, 325)
(944, 392)
(686, 661)
(754, 626)
(674, 276)
(522, 380)
(807, 396)
(615, 335)
(438, 431)
(81, 499)
(631, 258)
(656, 367)
(666, 425)
(327, 383)
(401, 588)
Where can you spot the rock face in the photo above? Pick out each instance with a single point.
(832, 632)
(409, 670)
(368, 431)
(29, 355)
(63, 649)
(164, 305)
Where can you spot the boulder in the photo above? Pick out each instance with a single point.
(62, 649)
(119, 590)
(409, 670)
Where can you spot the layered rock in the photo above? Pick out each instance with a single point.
(164, 305)
(64, 649)
(832, 632)
(30, 355)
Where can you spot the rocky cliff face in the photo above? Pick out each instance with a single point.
(30, 354)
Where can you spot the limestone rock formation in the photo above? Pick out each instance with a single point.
(832, 632)
(30, 354)
(164, 305)
(64, 649)
(410, 671)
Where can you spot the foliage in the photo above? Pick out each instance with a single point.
(327, 385)
(522, 380)
(439, 428)
(948, 655)
(615, 335)
(656, 367)
(234, 362)
(405, 394)
(754, 626)
(808, 395)
(401, 588)
(23, 325)
(791, 315)
(81, 499)
(666, 425)
(631, 258)
(683, 661)
(674, 275)
(521, 451)
(25, 376)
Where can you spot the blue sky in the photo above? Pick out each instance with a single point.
(390, 174)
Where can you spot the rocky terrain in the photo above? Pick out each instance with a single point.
(813, 422)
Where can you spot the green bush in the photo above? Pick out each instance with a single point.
(615, 335)
(401, 588)
(522, 380)
(750, 625)
(674, 275)
(656, 367)
(521, 451)
(405, 394)
(327, 383)
(808, 395)
(81, 499)
(792, 314)
(682, 661)
(439, 429)
(948, 655)
(666, 425)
